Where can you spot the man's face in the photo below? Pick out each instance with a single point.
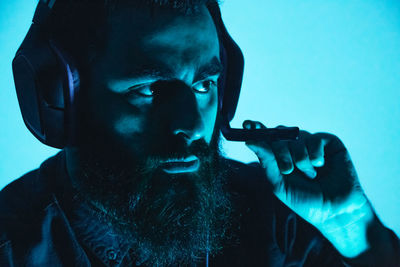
(150, 154)
(156, 84)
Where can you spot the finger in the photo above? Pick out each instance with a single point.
(315, 147)
(267, 160)
(264, 153)
(280, 149)
(331, 144)
(301, 158)
(249, 125)
(283, 156)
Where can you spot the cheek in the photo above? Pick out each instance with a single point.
(115, 115)
(128, 125)
(208, 111)
(131, 119)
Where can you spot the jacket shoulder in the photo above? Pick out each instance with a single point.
(18, 192)
(24, 198)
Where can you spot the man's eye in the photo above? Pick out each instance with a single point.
(141, 90)
(204, 86)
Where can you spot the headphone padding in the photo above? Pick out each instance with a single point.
(40, 90)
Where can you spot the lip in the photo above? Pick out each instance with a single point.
(181, 165)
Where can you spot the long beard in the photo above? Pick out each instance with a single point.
(167, 219)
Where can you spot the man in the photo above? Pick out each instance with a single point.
(141, 182)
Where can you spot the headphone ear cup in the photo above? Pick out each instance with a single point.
(230, 81)
(39, 83)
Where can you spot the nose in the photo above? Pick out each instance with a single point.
(185, 118)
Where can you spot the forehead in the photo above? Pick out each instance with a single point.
(143, 35)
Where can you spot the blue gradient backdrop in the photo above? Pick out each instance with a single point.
(323, 65)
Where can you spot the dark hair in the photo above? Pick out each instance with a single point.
(77, 25)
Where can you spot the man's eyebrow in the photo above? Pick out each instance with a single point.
(214, 67)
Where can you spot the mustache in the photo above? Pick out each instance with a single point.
(177, 148)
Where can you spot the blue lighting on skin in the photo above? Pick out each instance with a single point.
(321, 65)
(347, 231)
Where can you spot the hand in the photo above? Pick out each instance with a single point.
(315, 177)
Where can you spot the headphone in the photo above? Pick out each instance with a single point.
(47, 82)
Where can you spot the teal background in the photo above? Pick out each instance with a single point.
(323, 65)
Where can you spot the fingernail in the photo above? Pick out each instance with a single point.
(318, 162)
(311, 173)
(247, 124)
(287, 171)
(286, 167)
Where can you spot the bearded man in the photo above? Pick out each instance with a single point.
(141, 180)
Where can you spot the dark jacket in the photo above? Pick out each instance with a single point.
(36, 229)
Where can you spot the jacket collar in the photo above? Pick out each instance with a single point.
(92, 232)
